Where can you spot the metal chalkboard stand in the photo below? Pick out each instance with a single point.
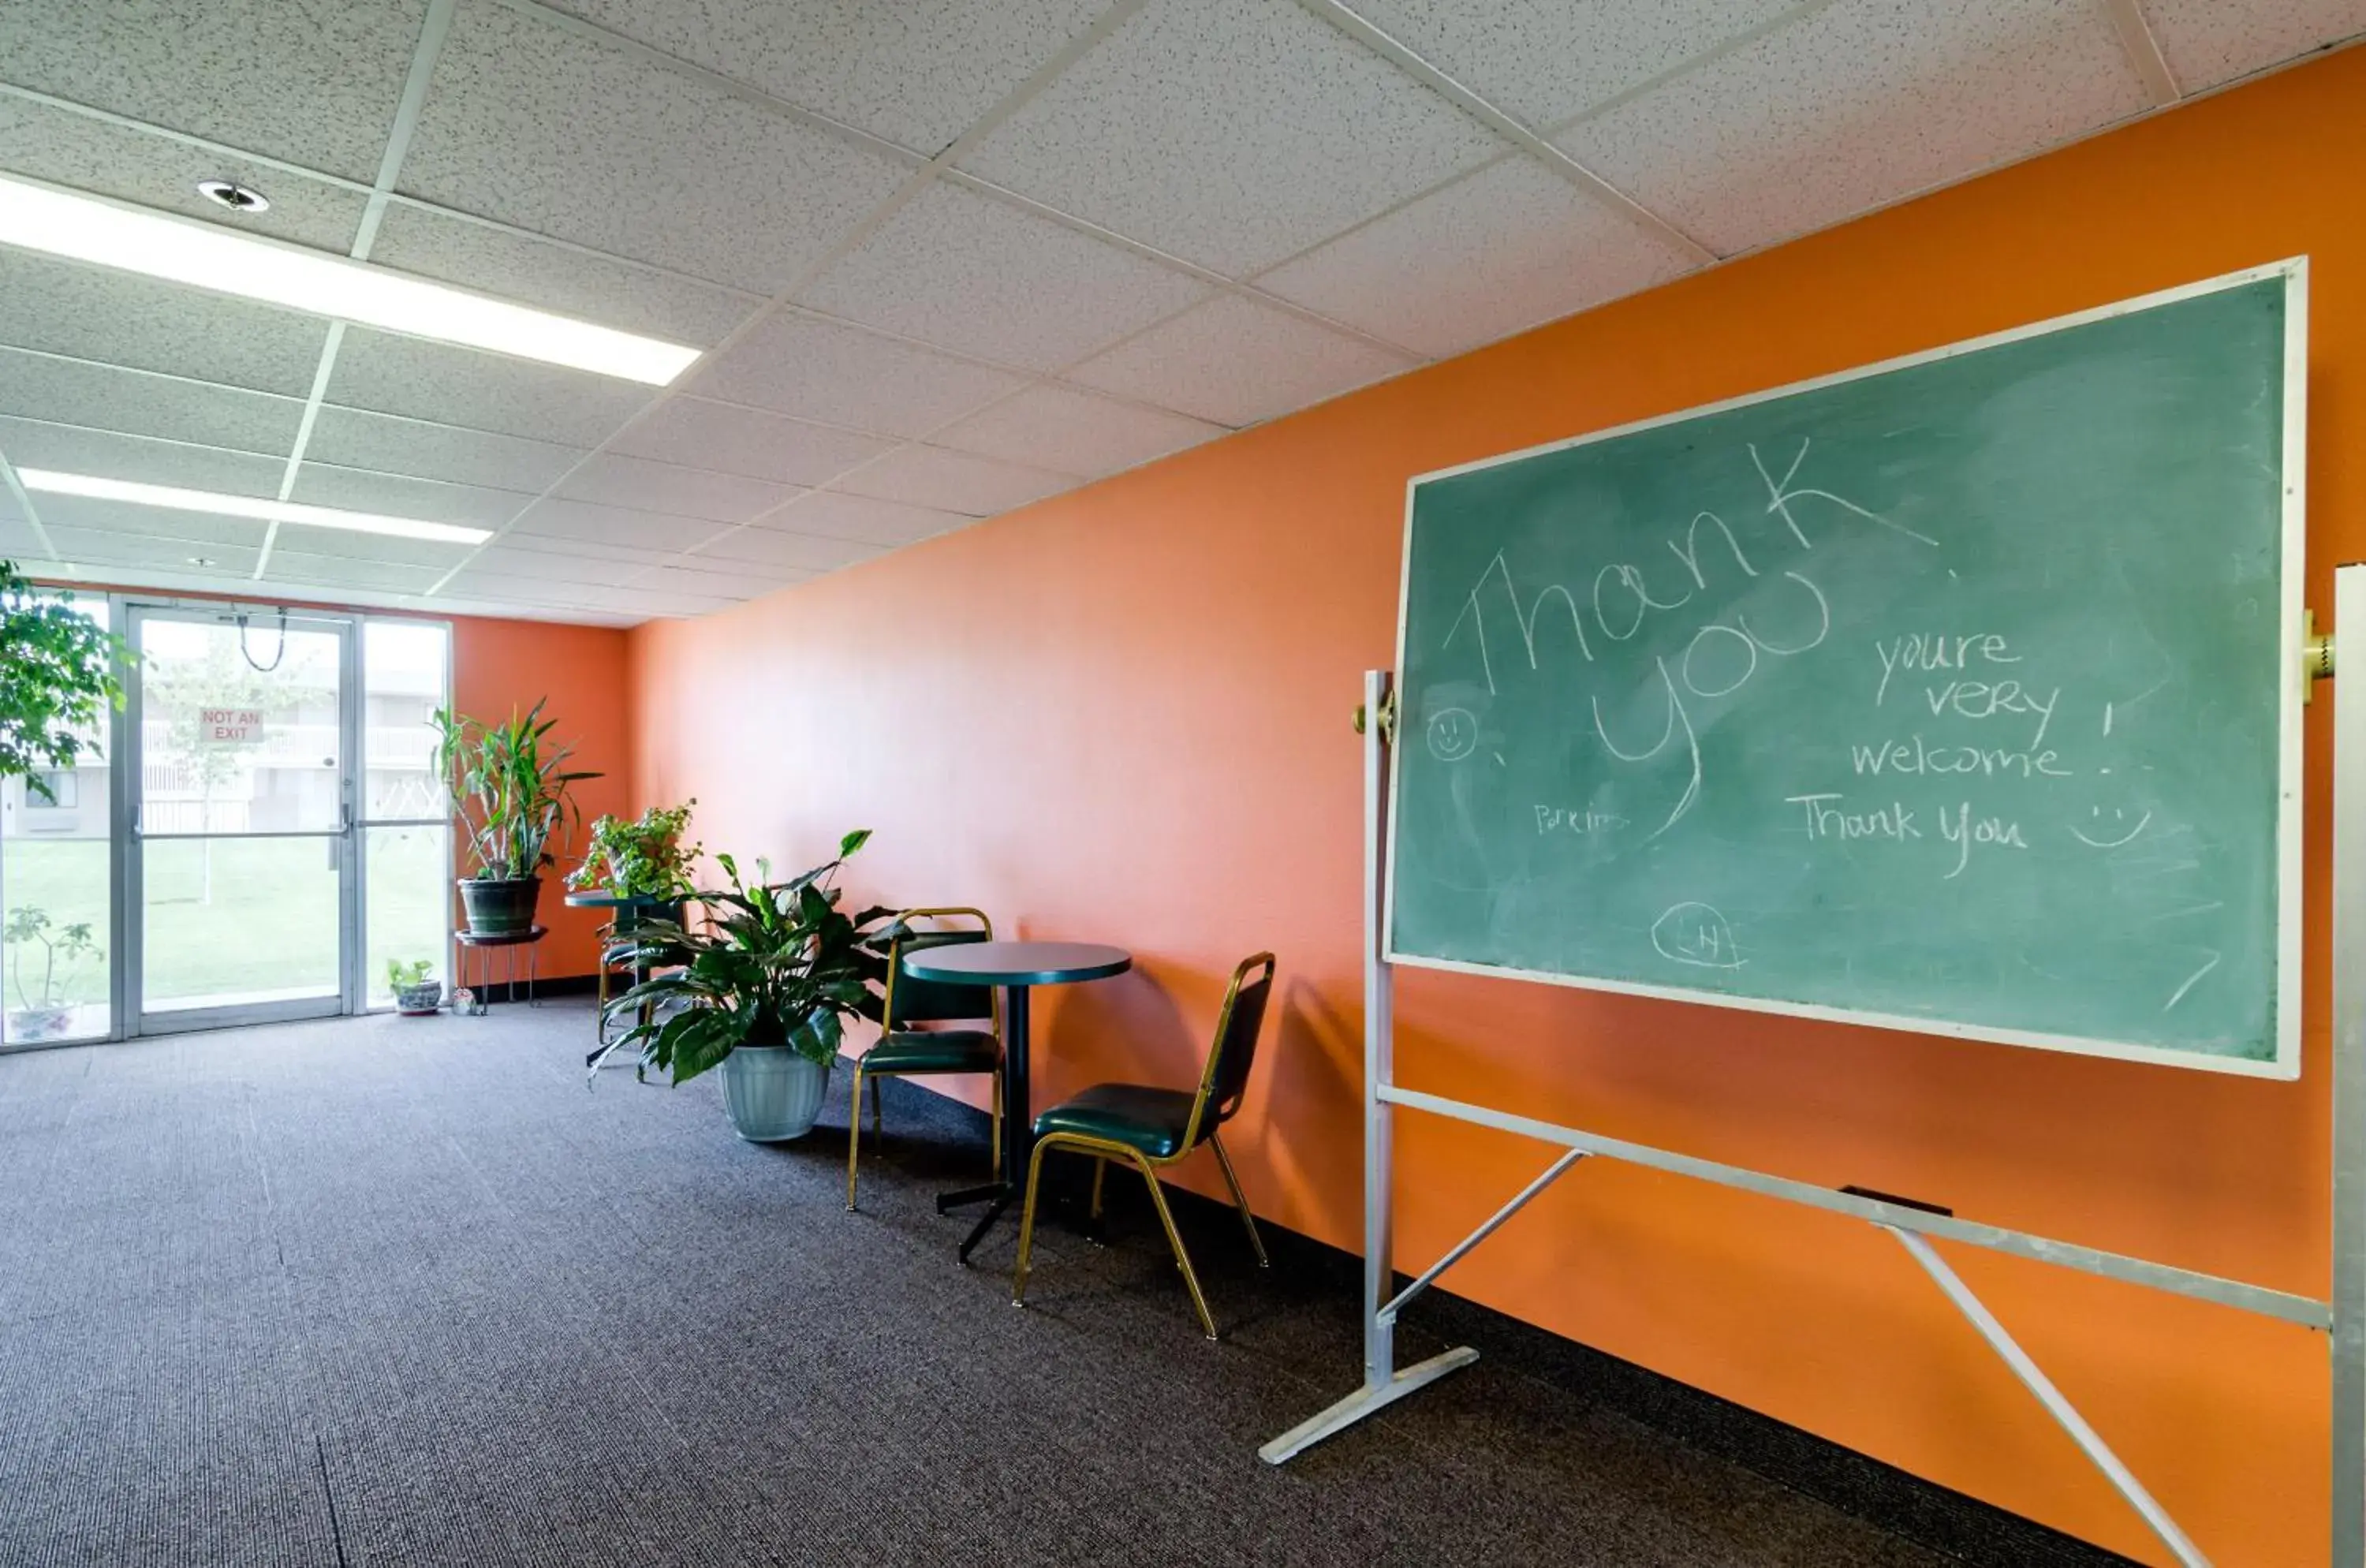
(2343, 1319)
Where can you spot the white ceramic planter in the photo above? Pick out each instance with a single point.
(772, 1093)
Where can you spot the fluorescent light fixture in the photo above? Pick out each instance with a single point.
(51, 483)
(206, 255)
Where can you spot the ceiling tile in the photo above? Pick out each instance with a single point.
(585, 550)
(1543, 60)
(1505, 248)
(76, 150)
(536, 272)
(339, 68)
(784, 551)
(340, 571)
(637, 482)
(540, 127)
(93, 547)
(954, 481)
(981, 277)
(1077, 433)
(1865, 102)
(346, 545)
(802, 365)
(2211, 41)
(672, 582)
(506, 558)
(120, 318)
(101, 397)
(386, 374)
(28, 444)
(1231, 133)
(524, 592)
(395, 445)
(193, 530)
(1236, 362)
(859, 517)
(614, 525)
(918, 72)
(734, 440)
(399, 495)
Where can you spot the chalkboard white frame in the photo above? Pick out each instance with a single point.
(2292, 570)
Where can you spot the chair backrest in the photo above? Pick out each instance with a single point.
(1224, 1081)
(914, 1000)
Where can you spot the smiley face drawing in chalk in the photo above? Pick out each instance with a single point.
(1453, 734)
(2101, 832)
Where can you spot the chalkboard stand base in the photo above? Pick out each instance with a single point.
(1912, 1224)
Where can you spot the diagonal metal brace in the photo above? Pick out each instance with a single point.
(1388, 1312)
(2090, 1441)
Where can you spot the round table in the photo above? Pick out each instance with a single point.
(1015, 966)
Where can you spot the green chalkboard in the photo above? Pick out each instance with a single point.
(1959, 693)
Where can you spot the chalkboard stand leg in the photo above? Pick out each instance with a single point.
(1383, 1383)
(2347, 1348)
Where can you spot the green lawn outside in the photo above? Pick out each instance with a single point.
(262, 919)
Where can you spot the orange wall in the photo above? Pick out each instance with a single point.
(498, 667)
(1122, 714)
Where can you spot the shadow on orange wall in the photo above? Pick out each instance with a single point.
(1128, 722)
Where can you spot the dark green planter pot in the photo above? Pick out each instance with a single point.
(499, 908)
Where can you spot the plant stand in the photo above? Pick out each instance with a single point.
(476, 954)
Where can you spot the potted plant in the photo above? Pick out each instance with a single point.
(643, 860)
(43, 1013)
(763, 992)
(512, 796)
(417, 992)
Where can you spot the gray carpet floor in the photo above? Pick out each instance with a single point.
(389, 1290)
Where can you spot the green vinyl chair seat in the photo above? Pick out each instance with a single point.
(935, 1051)
(1136, 1115)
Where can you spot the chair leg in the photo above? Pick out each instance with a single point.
(997, 1124)
(855, 1129)
(1248, 1220)
(878, 1127)
(1175, 1239)
(1100, 1169)
(1026, 1222)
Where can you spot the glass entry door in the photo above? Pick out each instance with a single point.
(241, 889)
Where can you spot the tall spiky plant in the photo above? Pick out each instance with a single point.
(510, 788)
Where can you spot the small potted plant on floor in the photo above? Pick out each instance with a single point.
(514, 797)
(417, 992)
(43, 1011)
(764, 993)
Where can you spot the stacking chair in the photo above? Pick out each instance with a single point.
(1149, 1127)
(906, 1052)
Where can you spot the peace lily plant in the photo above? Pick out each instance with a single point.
(763, 990)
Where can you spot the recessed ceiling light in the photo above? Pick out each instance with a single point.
(52, 482)
(234, 196)
(207, 255)
(201, 561)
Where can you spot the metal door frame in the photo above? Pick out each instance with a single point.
(133, 1018)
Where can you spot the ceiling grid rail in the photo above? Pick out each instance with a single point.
(434, 27)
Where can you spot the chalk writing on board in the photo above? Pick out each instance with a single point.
(1453, 734)
(2111, 835)
(1697, 934)
(1784, 494)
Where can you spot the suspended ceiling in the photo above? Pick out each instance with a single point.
(945, 257)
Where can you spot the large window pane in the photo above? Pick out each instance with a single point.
(403, 677)
(410, 915)
(234, 921)
(239, 728)
(57, 894)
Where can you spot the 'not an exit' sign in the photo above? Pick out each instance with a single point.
(229, 727)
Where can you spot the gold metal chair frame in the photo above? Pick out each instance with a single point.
(887, 1010)
(1104, 1150)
